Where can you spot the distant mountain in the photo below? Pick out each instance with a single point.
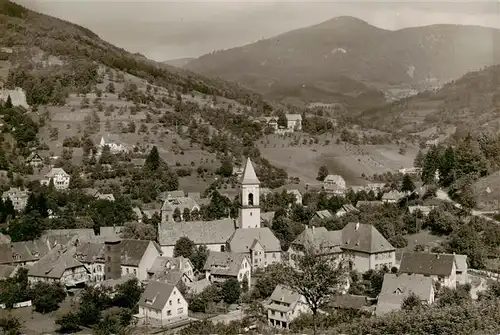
(313, 62)
(471, 102)
(179, 62)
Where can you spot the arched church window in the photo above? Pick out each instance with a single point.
(250, 199)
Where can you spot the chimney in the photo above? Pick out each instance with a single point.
(357, 226)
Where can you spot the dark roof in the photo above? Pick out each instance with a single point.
(224, 263)
(396, 287)
(156, 295)
(90, 252)
(349, 301)
(242, 240)
(200, 232)
(133, 250)
(427, 263)
(30, 251)
(6, 271)
(54, 264)
(364, 237)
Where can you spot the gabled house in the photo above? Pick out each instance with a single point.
(136, 257)
(373, 203)
(212, 234)
(425, 210)
(326, 242)
(334, 183)
(259, 244)
(392, 197)
(366, 248)
(440, 267)
(34, 160)
(58, 176)
(113, 142)
(298, 196)
(347, 208)
(285, 306)
(169, 269)
(182, 203)
(59, 266)
(294, 121)
(221, 266)
(397, 287)
(161, 304)
(18, 197)
(320, 216)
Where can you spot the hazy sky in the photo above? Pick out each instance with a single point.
(165, 29)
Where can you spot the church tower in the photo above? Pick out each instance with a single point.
(250, 210)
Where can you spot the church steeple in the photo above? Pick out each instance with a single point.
(249, 175)
(250, 194)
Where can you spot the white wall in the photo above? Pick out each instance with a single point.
(162, 317)
(168, 250)
(147, 261)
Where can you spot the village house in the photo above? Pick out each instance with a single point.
(347, 208)
(183, 204)
(271, 122)
(366, 248)
(168, 269)
(34, 160)
(18, 197)
(425, 210)
(350, 302)
(59, 266)
(221, 266)
(161, 304)
(397, 287)
(326, 242)
(136, 258)
(266, 219)
(373, 203)
(442, 268)
(285, 306)
(375, 187)
(410, 171)
(112, 141)
(297, 194)
(294, 121)
(392, 197)
(58, 176)
(4, 238)
(334, 183)
(8, 271)
(320, 216)
(259, 244)
(28, 252)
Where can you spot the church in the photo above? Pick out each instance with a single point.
(242, 235)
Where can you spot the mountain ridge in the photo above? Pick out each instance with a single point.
(416, 57)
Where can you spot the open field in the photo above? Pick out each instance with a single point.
(348, 160)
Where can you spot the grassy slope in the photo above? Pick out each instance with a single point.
(26, 28)
(472, 101)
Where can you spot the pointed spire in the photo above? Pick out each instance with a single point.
(249, 175)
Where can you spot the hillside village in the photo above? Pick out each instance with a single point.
(140, 199)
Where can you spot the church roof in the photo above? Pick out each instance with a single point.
(249, 175)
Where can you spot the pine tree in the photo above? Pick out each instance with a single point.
(408, 185)
(8, 103)
(447, 168)
(153, 159)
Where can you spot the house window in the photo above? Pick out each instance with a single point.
(222, 248)
(169, 312)
(127, 270)
(179, 301)
(274, 255)
(180, 310)
(250, 199)
(170, 302)
(99, 268)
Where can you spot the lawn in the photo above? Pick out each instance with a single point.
(350, 161)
